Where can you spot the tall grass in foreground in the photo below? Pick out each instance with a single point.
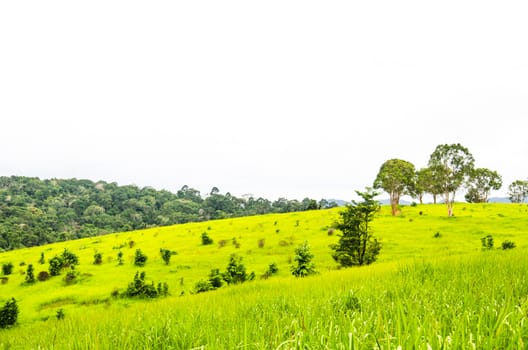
(475, 302)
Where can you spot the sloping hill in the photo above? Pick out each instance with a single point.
(422, 236)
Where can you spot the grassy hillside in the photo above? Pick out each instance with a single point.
(423, 289)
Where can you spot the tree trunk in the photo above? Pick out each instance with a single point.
(449, 204)
(395, 200)
(434, 198)
(420, 198)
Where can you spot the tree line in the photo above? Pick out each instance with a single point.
(450, 168)
(35, 212)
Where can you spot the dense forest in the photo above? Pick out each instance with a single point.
(35, 212)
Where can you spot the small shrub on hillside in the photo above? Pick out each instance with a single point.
(215, 278)
(487, 242)
(222, 243)
(120, 260)
(60, 314)
(131, 244)
(7, 268)
(55, 266)
(166, 255)
(206, 240)
(437, 235)
(272, 269)
(22, 263)
(508, 245)
(261, 242)
(203, 286)
(140, 289)
(9, 314)
(30, 274)
(235, 271)
(69, 258)
(304, 265)
(98, 258)
(43, 276)
(331, 231)
(4, 280)
(71, 276)
(42, 260)
(140, 259)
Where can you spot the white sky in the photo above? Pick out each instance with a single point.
(273, 98)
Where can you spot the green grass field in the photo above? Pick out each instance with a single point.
(423, 292)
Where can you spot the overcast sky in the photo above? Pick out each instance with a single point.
(272, 98)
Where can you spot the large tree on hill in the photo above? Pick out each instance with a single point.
(452, 164)
(481, 182)
(518, 191)
(396, 177)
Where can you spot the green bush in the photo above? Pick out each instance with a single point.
(235, 271)
(203, 286)
(508, 245)
(206, 240)
(140, 289)
(487, 242)
(69, 258)
(304, 265)
(7, 268)
(166, 255)
(43, 276)
(30, 274)
(9, 313)
(98, 258)
(55, 265)
(71, 276)
(140, 259)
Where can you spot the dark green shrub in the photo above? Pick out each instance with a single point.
(487, 242)
(140, 289)
(4, 280)
(508, 245)
(30, 274)
(9, 314)
(235, 271)
(216, 279)
(206, 240)
(437, 235)
(261, 242)
(166, 255)
(43, 276)
(42, 261)
(272, 269)
(304, 265)
(120, 258)
(140, 259)
(60, 314)
(69, 258)
(203, 286)
(55, 266)
(98, 258)
(7, 268)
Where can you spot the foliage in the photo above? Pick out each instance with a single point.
(36, 212)
(396, 177)
(42, 260)
(60, 314)
(166, 255)
(203, 286)
(216, 278)
(98, 258)
(481, 181)
(71, 276)
(518, 191)
(357, 244)
(43, 276)
(304, 266)
(141, 289)
(120, 260)
(507, 244)
(487, 242)
(235, 270)
(451, 164)
(55, 265)
(69, 258)
(206, 240)
(30, 274)
(9, 313)
(140, 259)
(7, 268)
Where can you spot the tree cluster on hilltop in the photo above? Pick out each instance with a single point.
(450, 168)
(35, 212)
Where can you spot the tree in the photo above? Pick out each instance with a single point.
(452, 164)
(481, 182)
(140, 259)
(396, 177)
(304, 266)
(518, 191)
(9, 313)
(357, 246)
(166, 255)
(30, 274)
(235, 271)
